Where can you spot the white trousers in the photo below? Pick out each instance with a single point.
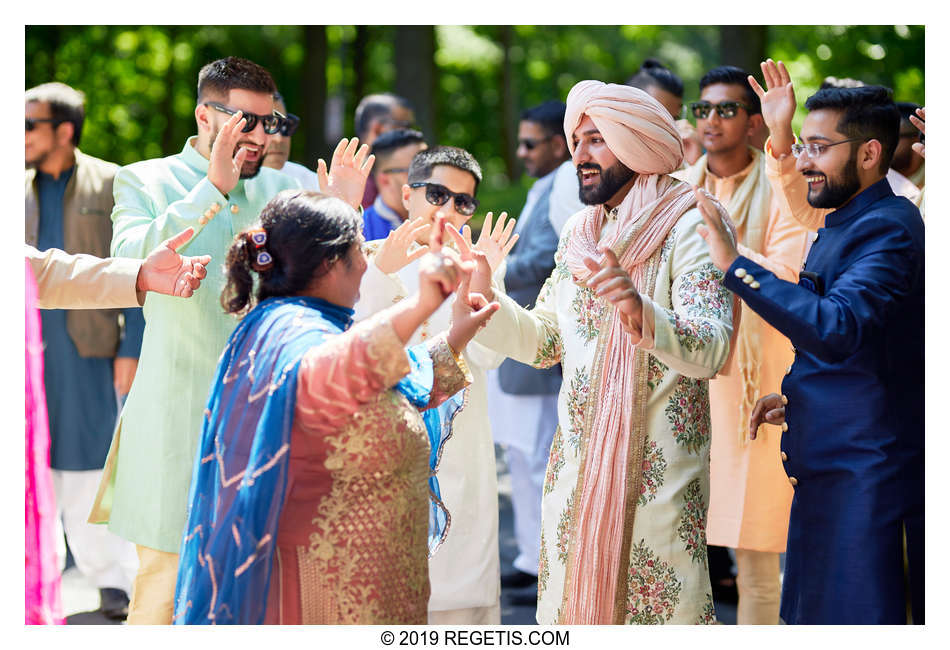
(524, 425)
(105, 559)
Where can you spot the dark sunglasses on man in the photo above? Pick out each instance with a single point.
(32, 122)
(436, 194)
(289, 124)
(530, 144)
(271, 123)
(725, 110)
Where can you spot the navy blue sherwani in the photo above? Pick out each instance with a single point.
(853, 448)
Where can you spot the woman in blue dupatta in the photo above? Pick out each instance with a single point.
(310, 498)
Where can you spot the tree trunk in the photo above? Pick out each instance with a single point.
(314, 82)
(509, 103)
(416, 74)
(360, 46)
(743, 46)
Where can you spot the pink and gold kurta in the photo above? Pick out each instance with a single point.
(352, 539)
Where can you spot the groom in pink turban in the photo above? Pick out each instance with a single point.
(636, 314)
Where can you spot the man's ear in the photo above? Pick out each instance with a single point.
(202, 118)
(405, 196)
(64, 133)
(870, 157)
(755, 123)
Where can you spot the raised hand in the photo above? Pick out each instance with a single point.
(778, 105)
(394, 253)
(166, 271)
(495, 242)
(482, 273)
(692, 145)
(440, 271)
(716, 231)
(349, 169)
(918, 121)
(771, 409)
(611, 282)
(224, 166)
(470, 311)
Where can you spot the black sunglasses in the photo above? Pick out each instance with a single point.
(289, 124)
(271, 123)
(725, 110)
(31, 122)
(436, 194)
(530, 144)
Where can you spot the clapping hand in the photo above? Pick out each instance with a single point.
(440, 270)
(349, 169)
(716, 230)
(611, 282)
(771, 409)
(470, 311)
(778, 105)
(394, 253)
(166, 271)
(495, 242)
(224, 166)
(918, 121)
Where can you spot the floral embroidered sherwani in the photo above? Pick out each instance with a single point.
(664, 577)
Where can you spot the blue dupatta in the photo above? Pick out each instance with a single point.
(241, 465)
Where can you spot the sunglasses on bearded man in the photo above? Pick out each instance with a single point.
(271, 123)
(436, 194)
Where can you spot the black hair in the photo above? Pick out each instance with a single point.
(307, 232)
(390, 142)
(733, 76)
(420, 169)
(219, 77)
(549, 115)
(66, 104)
(867, 112)
(906, 109)
(375, 106)
(654, 73)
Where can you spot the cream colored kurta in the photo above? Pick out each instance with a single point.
(464, 572)
(750, 495)
(665, 578)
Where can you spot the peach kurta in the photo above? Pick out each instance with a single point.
(352, 537)
(750, 496)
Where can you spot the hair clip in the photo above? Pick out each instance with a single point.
(258, 237)
(264, 260)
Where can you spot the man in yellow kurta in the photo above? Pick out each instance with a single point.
(750, 495)
(635, 313)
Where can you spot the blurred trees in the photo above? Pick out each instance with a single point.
(469, 83)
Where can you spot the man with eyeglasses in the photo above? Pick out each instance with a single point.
(851, 408)
(524, 399)
(278, 151)
(749, 493)
(394, 151)
(464, 571)
(376, 114)
(217, 186)
(90, 356)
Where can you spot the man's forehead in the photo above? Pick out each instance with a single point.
(249, 99)
(822, 124)
(586, 127)
(457, 180)
(719, 92)
(36, 108)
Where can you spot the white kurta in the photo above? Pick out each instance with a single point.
(665, 572)
(464, 572)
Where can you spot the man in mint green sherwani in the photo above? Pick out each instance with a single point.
(217, 186)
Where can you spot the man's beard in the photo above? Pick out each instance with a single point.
(611, 180)
(248, 169)
(835, 193)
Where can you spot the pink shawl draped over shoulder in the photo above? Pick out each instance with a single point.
(43, 605)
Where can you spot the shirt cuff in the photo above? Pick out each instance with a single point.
(647, 329)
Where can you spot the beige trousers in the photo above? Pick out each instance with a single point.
(759, 587)
(490, 615)
(153, 591)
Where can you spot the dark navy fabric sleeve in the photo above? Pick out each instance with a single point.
(833, 326)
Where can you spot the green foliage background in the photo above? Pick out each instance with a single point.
(140, 80)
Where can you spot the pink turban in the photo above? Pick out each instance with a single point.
(636, 127)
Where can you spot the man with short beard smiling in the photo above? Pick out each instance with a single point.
(216, 186)
(851, 407)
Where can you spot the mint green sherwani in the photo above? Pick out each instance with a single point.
(144, 492)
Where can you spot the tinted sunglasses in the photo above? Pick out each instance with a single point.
(530, 144)
(31, 122)
(465, 204)
(289, 124)
(725, 110)
(271, 123)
